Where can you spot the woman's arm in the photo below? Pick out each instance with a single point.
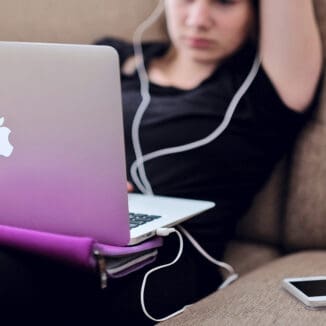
(290, 49)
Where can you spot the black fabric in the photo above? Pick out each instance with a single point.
(231, 169)
(38, 291)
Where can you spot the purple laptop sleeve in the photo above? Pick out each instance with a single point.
(78, 251)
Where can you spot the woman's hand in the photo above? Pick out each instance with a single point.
(130, 187)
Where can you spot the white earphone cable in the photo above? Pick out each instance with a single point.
(231, 278)
(143, 184)
(137, 169)
(211, 137)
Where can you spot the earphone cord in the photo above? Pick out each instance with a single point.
(137, 169)
(140, 160)
(137, 166)
(143, 184)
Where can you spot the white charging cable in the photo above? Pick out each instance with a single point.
(162, 232)
(231, 278)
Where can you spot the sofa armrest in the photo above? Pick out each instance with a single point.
(258, 299)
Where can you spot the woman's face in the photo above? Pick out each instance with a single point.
(208, 30)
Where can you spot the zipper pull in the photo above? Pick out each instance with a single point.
(101, 265)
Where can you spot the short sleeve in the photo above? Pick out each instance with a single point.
(271, 111)
(123, 48)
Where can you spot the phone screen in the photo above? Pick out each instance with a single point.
(313, 288)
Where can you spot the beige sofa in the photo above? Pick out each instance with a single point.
(284, 233)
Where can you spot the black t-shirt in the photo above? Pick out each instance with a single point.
(229, 170)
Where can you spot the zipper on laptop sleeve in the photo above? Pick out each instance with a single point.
(101, 266)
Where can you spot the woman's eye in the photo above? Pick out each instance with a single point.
(220, 2)
(225, 2)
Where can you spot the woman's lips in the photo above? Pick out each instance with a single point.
(199, 43)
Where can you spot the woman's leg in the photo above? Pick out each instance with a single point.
(36, 285)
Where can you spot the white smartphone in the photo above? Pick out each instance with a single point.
(310, 290)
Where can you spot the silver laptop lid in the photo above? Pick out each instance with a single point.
(66, 172)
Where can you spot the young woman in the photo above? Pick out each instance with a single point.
(193, 78)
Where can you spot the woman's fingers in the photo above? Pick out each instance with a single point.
(130, 187)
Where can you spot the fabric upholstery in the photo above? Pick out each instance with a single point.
(262, 222)
(306, 212)
(258, 299)
(73, 21)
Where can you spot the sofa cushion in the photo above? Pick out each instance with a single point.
(73, 21)
(306, 210)
(263, 220)
(269, 219)
(258, 299)
(246, 256)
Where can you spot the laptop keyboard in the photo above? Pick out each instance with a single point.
(136, 219)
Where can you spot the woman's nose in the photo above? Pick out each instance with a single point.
(199, 15)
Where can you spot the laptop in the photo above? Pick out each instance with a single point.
(62, 157)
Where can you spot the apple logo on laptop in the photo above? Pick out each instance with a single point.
(5, 147)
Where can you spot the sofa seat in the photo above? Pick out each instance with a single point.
(257, 298)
